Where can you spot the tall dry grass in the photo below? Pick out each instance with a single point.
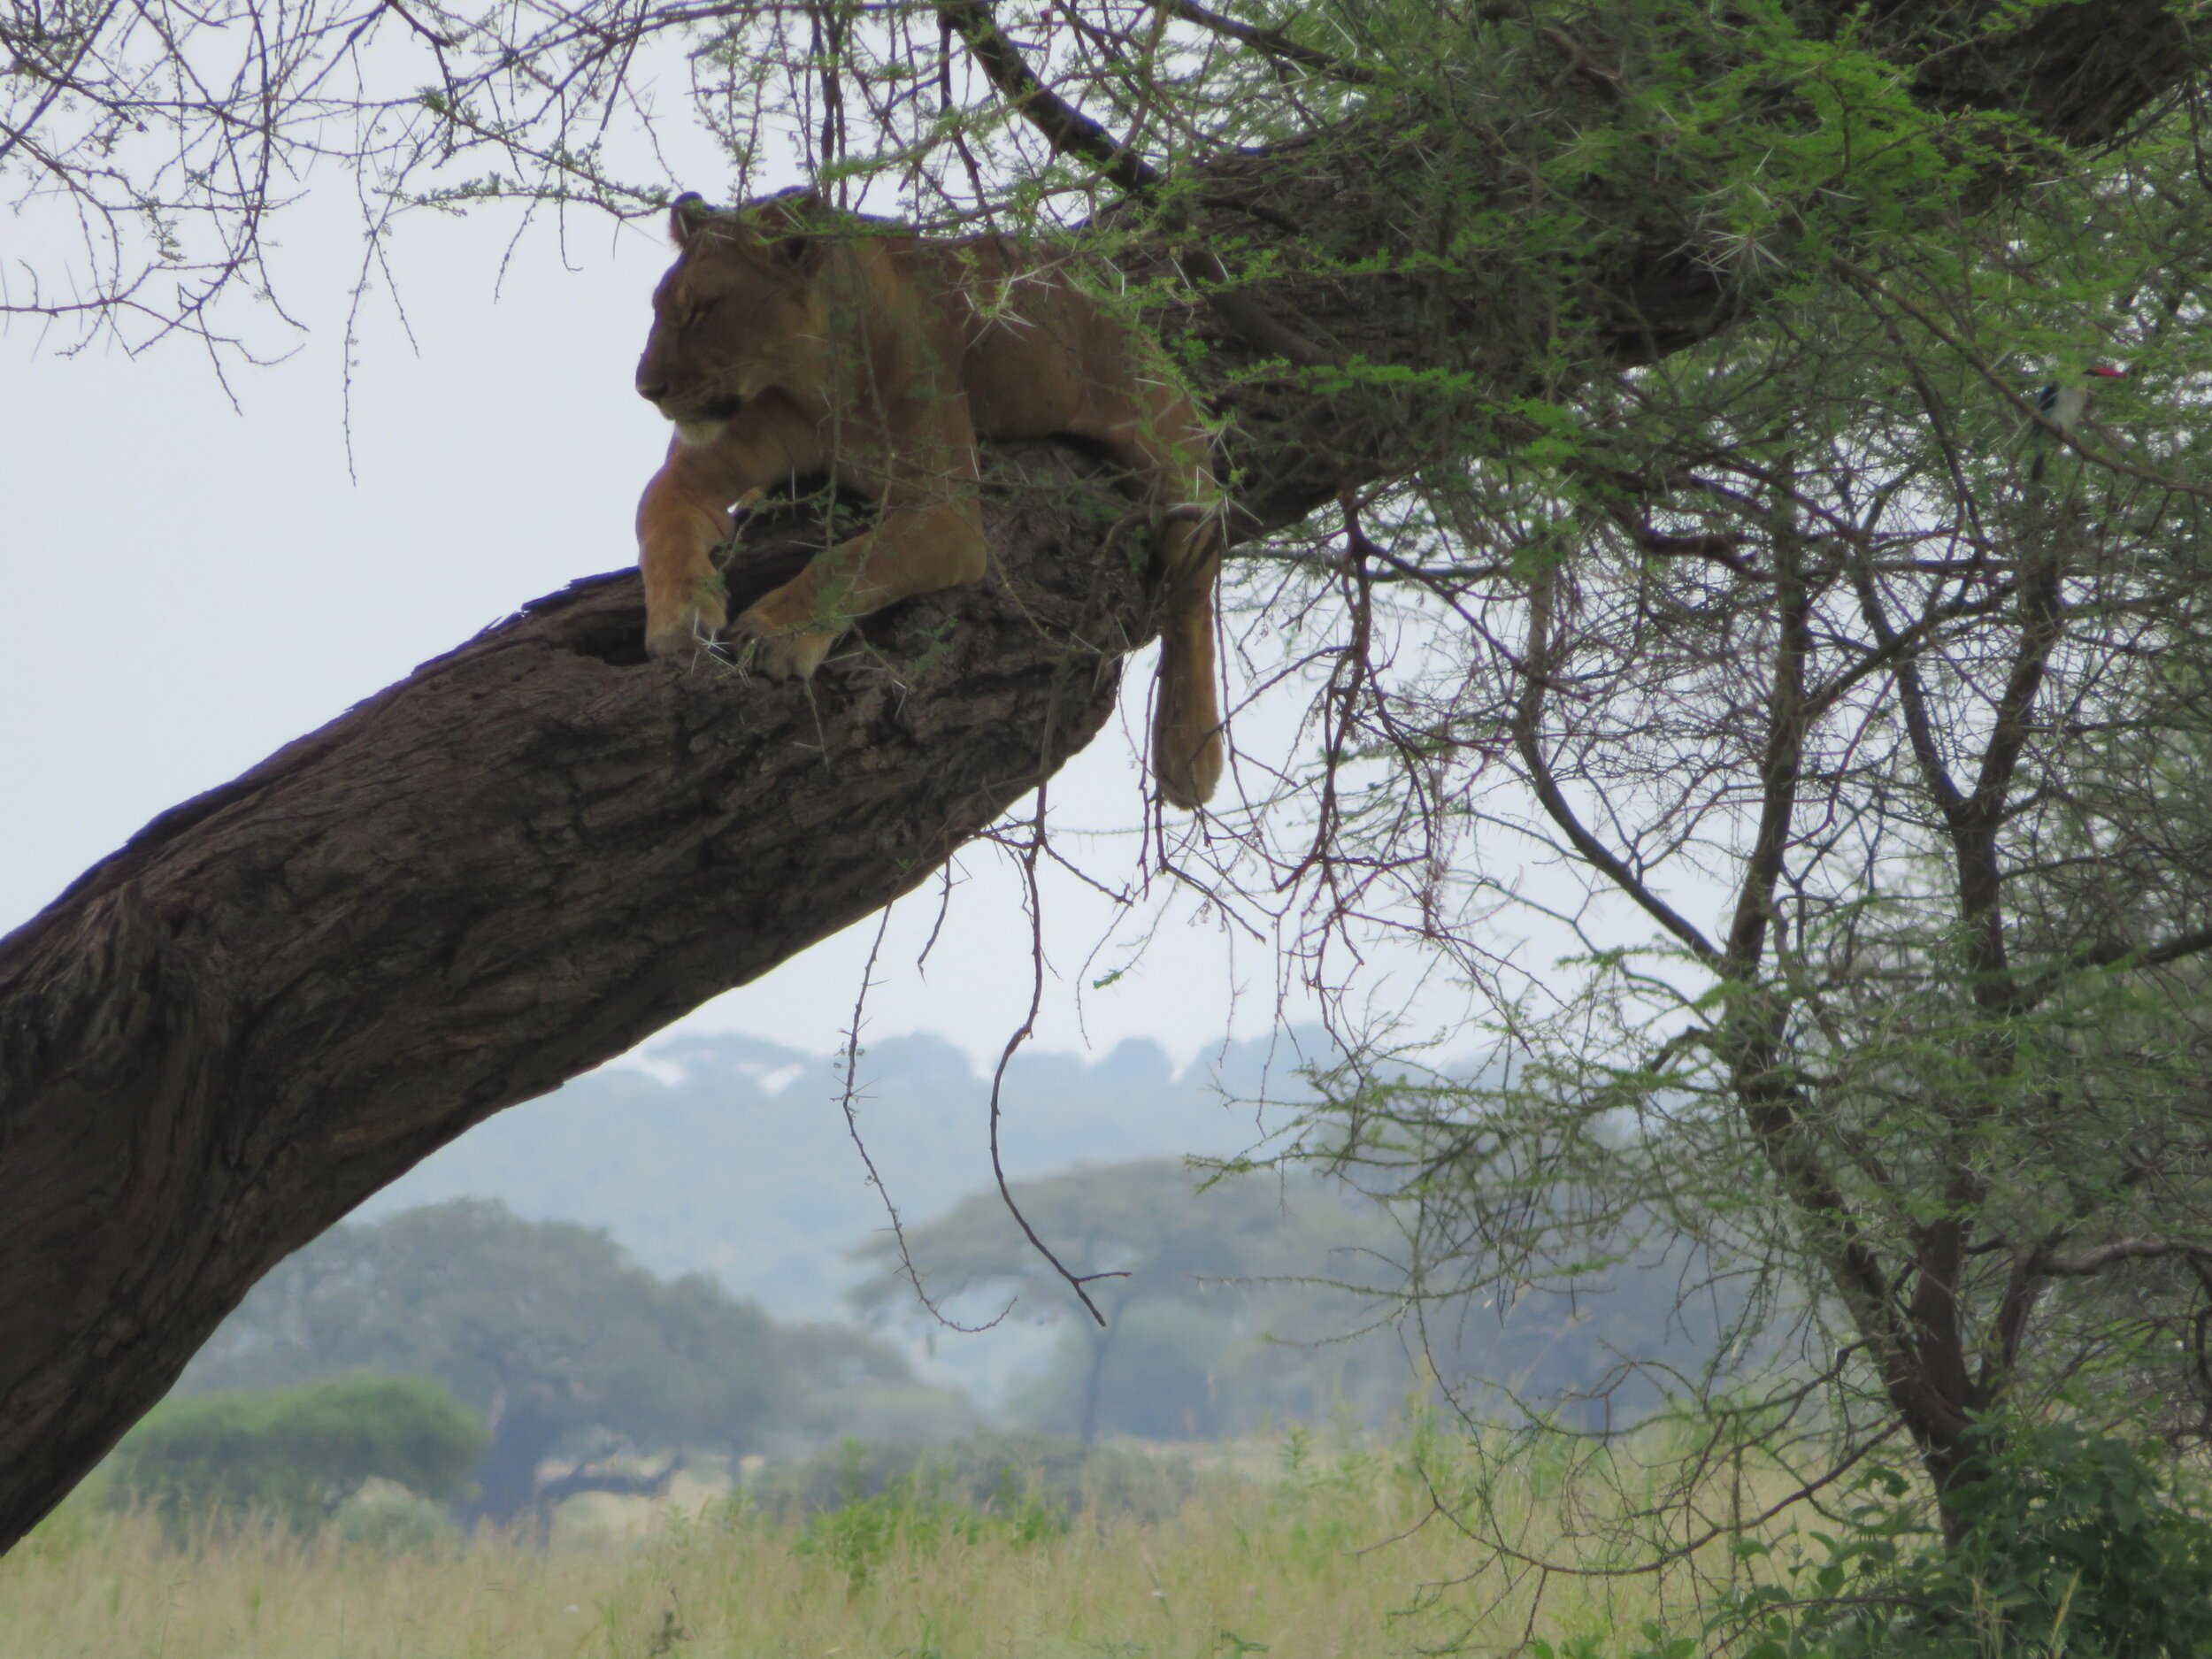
(1330, 1556)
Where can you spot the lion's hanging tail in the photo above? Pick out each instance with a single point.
(1186, 750)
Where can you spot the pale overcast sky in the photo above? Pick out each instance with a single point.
(190, 586)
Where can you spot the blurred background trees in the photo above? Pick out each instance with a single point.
(1192, 1284)
(298, 1454)
(1239, 1301)
(561, 1348)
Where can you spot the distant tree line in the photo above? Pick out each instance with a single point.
(1259, 1301)
(501, 1365)
(562, 1347)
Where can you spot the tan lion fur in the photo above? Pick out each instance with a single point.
(790, 341)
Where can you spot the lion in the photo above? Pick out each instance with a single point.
(789, 340)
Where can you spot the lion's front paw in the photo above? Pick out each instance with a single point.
(681, 630)
(784, 653)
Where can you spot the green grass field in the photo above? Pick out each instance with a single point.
(1336, 1556)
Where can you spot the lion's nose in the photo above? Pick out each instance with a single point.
(651, 387)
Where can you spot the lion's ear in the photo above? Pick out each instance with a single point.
(793, 221)
(803, 254)
(686, 215)
(798, 205)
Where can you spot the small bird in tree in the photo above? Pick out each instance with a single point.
(2061, 404)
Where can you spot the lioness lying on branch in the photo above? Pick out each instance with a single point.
(789, 340)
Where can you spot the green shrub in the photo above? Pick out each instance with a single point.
(981, 1470)
(297, 1454)
(923, 1516)
(2075, 1545)
(385, 1518)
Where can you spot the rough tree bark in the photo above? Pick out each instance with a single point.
(538, 849)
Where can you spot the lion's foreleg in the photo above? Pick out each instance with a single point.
(914, 551)
(684, 516)
(676, 536)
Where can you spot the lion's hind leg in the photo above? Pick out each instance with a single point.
(1150, 428)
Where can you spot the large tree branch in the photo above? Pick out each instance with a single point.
(538, 849)
(516, 863)
(1528, 742)
(1781, 765)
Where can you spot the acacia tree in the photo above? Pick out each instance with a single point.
(1141, 1237)
(541, 1328)
(1869, 712)
(1392, 244)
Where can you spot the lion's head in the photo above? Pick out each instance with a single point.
(737, 315)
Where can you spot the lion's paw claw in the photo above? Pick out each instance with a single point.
(685, 633)
(784, 655)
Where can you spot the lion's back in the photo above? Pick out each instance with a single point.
(1029, 341)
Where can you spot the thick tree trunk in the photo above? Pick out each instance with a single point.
(1101, 1343)
(524, 1430)
(514, 864)
(536, 850)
